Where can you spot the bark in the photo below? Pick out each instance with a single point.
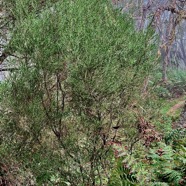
(167, 16)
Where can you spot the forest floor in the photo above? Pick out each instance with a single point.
(176, 107)
(173, 107)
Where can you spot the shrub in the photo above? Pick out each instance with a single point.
(81, 64)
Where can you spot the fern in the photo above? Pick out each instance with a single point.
(132, 169)
(175, 135)
(173, 176)
(164, 165)
(122, 175)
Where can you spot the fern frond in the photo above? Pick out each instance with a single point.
(173, 176)
(175, 134)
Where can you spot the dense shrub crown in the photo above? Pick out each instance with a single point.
(80, 66)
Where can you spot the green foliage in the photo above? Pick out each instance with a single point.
(80, 66)
(130, 169)
(122, 175)
(175, 135)
(174, 88)
(162, 164)
(163, 123)
(162, 92)
(81, 69)
(177, 77)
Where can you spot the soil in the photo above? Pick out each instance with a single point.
(177, 106)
